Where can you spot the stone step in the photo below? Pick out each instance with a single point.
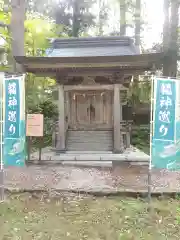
(89, 132)
(89, 141)
(78, 147)
(88, 164)
(85, 141)
(89, 152)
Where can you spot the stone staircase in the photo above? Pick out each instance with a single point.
(100, 140)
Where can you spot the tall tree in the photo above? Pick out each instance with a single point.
(75, 15)
(102, 16)
(35, 42)
(166, 37)
(170, 37)
(123, 9)
(173, 50)
(130, 17)
(43, 7)
(138, 22)
(17, 30)
(4, 34)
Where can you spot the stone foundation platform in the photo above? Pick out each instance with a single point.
(91, 158)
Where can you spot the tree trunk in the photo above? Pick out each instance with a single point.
(75, 23)
(166, 38)
(173, 49)
(122, 17)
(138, 23)
(17, 30)
(100, 19)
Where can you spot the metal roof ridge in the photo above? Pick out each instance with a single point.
(93, 38)
(94, 41)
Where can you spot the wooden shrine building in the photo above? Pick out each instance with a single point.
(93, 76)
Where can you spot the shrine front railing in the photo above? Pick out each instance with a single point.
(126, 129)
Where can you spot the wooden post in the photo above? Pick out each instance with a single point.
(40, 148)
(128, 137)
(29, 142)
(121, 109)
(61, 124)
(118, 143)
(67, 110)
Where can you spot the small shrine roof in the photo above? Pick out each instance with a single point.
(91, 47)
(96, 54)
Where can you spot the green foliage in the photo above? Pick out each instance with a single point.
(38, 90)
(140, 90)
(141, 138)
(178, 216)
(50, 112)
(38, 32)
(47, 108)
(5, 38)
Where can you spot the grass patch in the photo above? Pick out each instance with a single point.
(24, 217)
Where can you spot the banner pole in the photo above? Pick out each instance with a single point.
(151, 133)
(1, 140)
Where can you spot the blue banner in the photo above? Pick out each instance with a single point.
(12, 109)
(14, 126)
(164, 114)
(164, 127)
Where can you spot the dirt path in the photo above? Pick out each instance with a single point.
(124, 177)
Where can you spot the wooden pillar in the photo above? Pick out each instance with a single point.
(128, 137)
(118, 141)
(121, 110)
(67, 115)
(61, 125)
